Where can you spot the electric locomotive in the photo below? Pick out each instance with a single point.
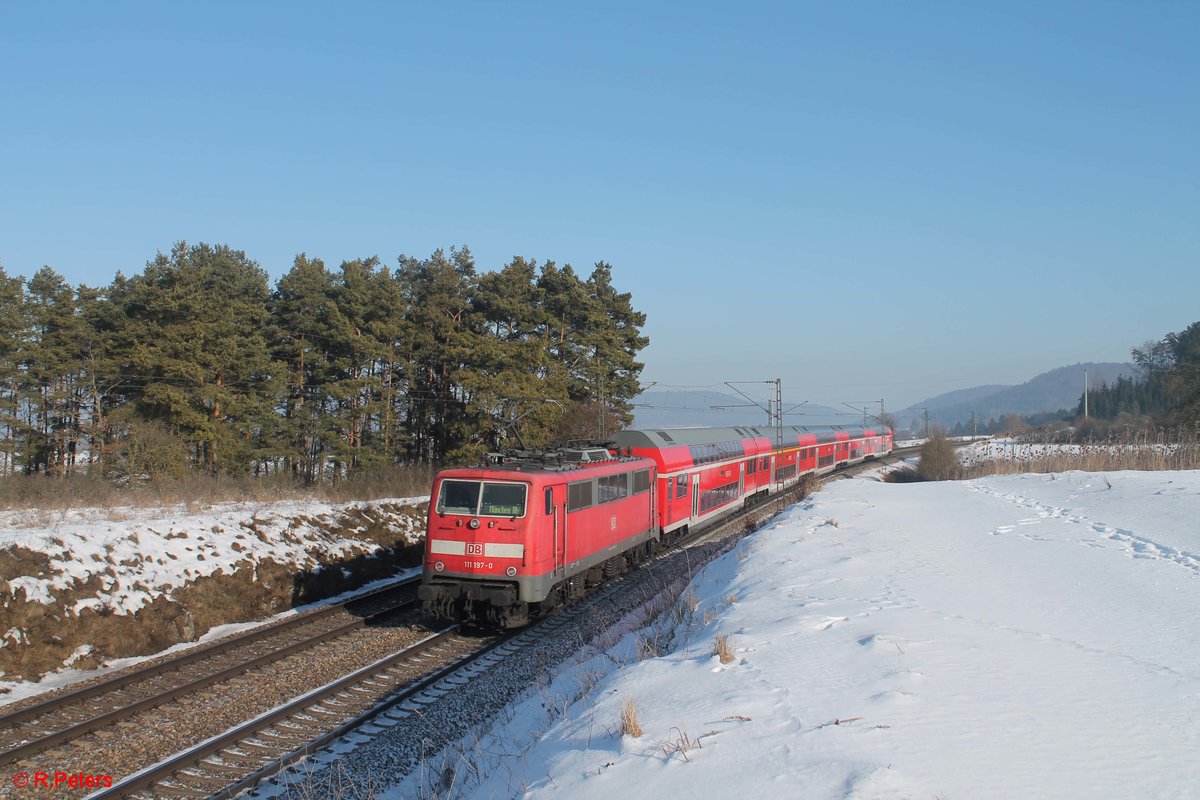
(522, 534)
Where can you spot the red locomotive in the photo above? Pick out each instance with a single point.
(519, 536)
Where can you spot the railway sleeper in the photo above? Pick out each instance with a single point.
(179, 789)
(226, 771)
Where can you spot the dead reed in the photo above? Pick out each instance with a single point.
(1144, 451)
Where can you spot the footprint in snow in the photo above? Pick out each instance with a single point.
(829, 622)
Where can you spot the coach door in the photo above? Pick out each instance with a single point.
(696, 495)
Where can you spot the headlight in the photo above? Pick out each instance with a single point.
(511, 572)
(438, 566)
(473, 524)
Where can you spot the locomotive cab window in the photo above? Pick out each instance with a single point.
(458, 497)
(482, 498)
(549, 501)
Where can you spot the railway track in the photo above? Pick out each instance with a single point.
(228, 764)
(67, 716)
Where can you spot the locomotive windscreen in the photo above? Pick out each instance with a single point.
(482, 498)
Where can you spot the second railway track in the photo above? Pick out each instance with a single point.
(38, 727)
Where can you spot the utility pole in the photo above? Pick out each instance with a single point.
(601, 426)
(926, 410)
(774, 407)
(1085, 394)
(864, 404)
(778, 410)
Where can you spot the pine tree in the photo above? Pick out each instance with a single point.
(13, 336)
(302, 312)
(444, 333)
(511, 375)
(52, 372)
(197, 348)
(616, 341)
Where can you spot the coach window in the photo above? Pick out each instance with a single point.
(670, 490)
(681, 485)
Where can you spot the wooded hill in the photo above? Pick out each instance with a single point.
(197, 362)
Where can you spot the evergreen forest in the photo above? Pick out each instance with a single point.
(198, 363)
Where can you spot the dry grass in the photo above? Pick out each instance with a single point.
(680, 745)
(629, 720)
(722, 649)
(198, 489)
(690, 601)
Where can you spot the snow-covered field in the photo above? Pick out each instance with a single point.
(64, 573)
(1029, 636)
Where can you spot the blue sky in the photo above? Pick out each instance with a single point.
(865, 199)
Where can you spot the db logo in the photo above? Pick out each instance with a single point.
(474, 549)
(612, 523)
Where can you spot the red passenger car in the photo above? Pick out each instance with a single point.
(706, 473)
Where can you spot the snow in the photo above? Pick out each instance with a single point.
(139, 554)
(1019, 636)
(19, 690)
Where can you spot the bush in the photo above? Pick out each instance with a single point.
(938, 461)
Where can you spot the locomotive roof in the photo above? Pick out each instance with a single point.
(659, 438)
(550, 465)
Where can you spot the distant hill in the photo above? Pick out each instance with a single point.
(1050, 391)
(688, 409)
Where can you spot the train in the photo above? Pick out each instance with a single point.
(523, 533)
